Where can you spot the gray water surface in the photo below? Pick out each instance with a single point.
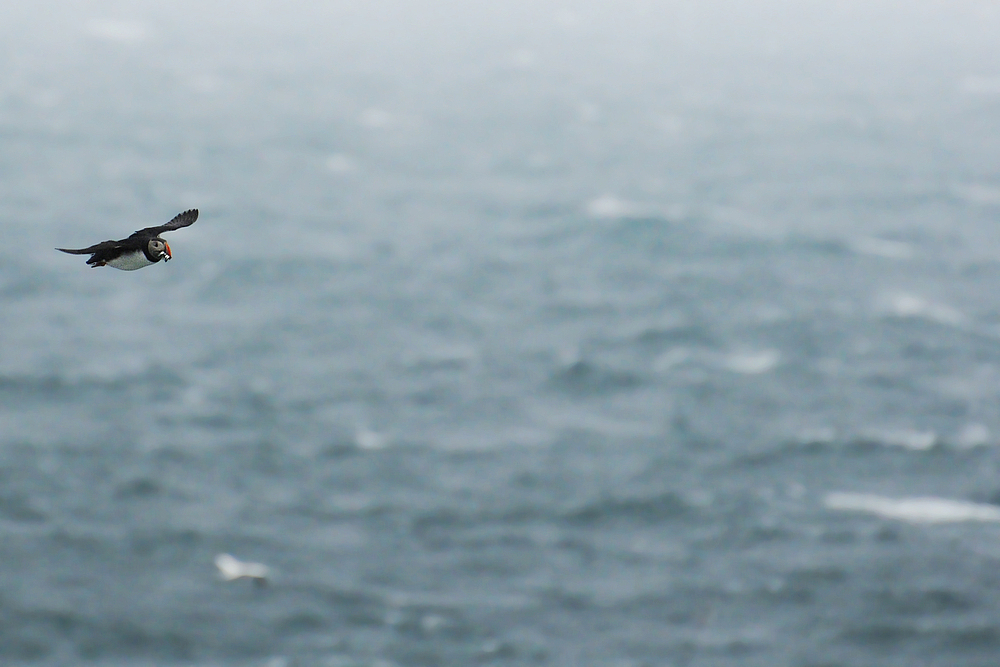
(618, 334)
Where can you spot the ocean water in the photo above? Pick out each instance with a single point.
(616, 334)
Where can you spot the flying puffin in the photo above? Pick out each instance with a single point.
(143, 248)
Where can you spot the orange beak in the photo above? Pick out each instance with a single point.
(170, 255)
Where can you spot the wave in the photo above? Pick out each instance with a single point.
(69, 384)
(583, 377)
(682, 334)
(887, 635)
(18, 507)
(932, 601)
(921, 509)
(666, 506)
(35, 634)
(903, 305)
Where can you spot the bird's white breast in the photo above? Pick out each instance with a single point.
(130, 261)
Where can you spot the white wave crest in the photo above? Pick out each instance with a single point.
(921, 509)
(753, 363)
(883, 248)
(911, 305)
(905, 438)
(609, 206)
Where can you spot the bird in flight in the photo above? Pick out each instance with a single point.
(143, 248)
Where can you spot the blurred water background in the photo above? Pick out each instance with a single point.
(525, 333)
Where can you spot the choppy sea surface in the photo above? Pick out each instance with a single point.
(631, 335)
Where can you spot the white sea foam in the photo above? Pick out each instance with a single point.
(906, 438)
(435, 355)
(973, 435)
(671, 358)
(365, 438)
(910, 305)
(883, 248)
(745, 222)
(752, 363)
(609, 206)
(433, 622)
(817, 434)
(922, 509)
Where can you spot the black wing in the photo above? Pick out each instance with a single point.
(97, 247)
(184, 219)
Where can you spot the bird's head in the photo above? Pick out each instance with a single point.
(160, 249)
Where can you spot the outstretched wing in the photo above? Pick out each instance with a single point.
(97, 247)
(184, 219)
